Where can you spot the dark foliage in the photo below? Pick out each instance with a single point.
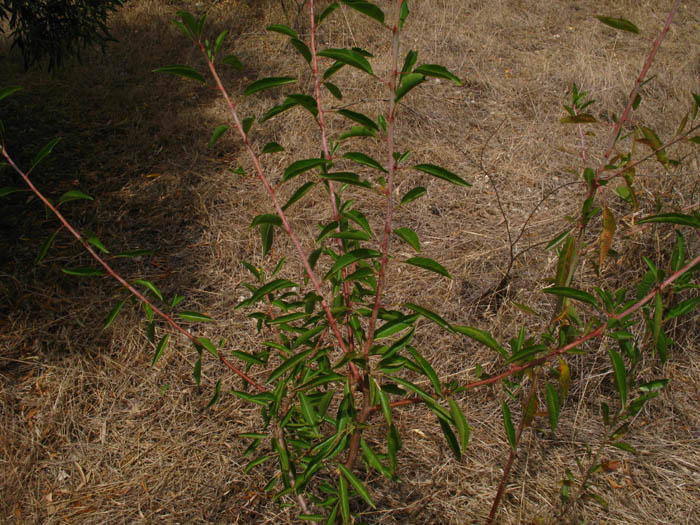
(53, 29)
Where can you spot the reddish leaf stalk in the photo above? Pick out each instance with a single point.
(168, 319)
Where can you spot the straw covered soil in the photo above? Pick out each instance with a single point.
(91, 433)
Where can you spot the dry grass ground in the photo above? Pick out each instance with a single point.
(90, 433)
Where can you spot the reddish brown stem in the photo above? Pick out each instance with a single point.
(168, 319)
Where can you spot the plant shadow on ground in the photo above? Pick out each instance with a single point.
(91, 434)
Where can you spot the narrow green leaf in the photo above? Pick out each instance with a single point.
(357, 131)
(258, 461)
(219, 41)
(195, 317)
(73, 195)
(428, 314)
(345, 177)
(427, 369)
(410, 236)
(82, 272)
(403, 14)
(206, 343)
(409, 62)
(300, 166)
(440, 412)
(384, 402)
(352, 257)
(360, 118)
(357, 484)
(361, 158)
(283, 29)
(303, 49)
(437, 71)
(234, 61)
(413, 195)
(45, 247)
(9, 190)
(620, 375)
(133, 253)
(182, 71)
(654, 386)
(450, 438)
(374, 461)
(683, 308)
(344, 498)
(428, 264)
(408, 82)
(460, 423)
(269, 288)
(573, 293)
(332, 7)
(508, 423)
(288, 364)
(272, 147)
(334, 90)
(220, 130)
(482, 337)
(9, 90)
(625, 446)
(113, 313)
(267, 234)
(267, 218)
(268, 83)
(619, 23)
(349, 57)
(366, 8)
(152, 287)
(92, 239)
(672, 218)
(441, 173)
(553, 406)
(162, 344)
(197, 371)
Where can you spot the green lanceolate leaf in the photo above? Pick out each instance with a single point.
(73, 195)
(288, 364)
(429, 264)
(268, 83)
(357, 484)
(82, 272)
(620, 375)
(182, 71)
(220, 130)
(683, 308)
(272, 147)
(352, 257)
(334, 90)
(349, 57)
(409, 61)
(195, 317)
(437, 71)
(283, 29)
(408, 82)
(152, 287)
(45, 247)
(162, 344)
(553, 406)
(303, 49)
(460, 423)
(361, 158)
(113, 313)
(573, 293)
(366, 8)
(269, 288)
(428, 314)
(209, 346)
(9, 190)
(300, 166)
(7, 91)
(619, 23)
(374, 460)
(258, 461)
(267, 218)
(360, 118)
(357, 131)
(233, 61)
(299, 193)
(427, 369)
(441, 173)
(672, 218)
(450, 438)
(344, 498)
(482, 337)
(508, 423)
(410, 236)
(413, 195)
